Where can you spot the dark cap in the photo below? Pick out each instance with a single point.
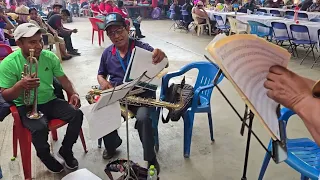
(114, 19)
(57, 5)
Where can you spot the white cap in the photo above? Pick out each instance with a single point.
(26, 30)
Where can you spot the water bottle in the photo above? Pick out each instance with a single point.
(152, 173)
(0, 173)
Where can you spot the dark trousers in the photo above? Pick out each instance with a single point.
(54, 109)
(138, 31)
(67, 40)
(143, 125)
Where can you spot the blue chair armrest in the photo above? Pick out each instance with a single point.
(197, 94)
(285, 114)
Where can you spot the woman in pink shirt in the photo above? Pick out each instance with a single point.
(102, 6)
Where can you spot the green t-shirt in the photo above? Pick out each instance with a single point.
(48, 67)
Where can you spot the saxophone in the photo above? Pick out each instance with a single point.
(27, 71)
(133, 100)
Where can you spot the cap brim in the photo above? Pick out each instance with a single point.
(59, 5)
(31, 32)
(114, 24)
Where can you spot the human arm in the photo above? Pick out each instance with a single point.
(103, 73)
(295, 92)
(7, 25)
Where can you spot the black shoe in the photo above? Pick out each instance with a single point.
(141, 36)
(75, 50)
(74, 53)
(108, 154)
(67, 156)
(66, 58)
(52, 164)
(155, 163)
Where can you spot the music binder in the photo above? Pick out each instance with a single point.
(245, 61)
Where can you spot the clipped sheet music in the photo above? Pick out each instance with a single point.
(141, 61)
(245, 60)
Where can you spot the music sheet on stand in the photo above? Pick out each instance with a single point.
(248, 63)
(141, 61)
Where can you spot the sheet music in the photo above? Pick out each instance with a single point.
(103, 121)
(248, 60)
(110, 96)
(81, 174)
(141, 61)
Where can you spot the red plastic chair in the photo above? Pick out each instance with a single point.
(95, 27)
(23, 135)
(5, 50)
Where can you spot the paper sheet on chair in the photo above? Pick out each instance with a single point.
(103, 121)
(141, 61)
(81, 174)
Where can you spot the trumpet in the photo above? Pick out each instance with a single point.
(27, 71)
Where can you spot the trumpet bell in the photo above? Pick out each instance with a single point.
(34, 115)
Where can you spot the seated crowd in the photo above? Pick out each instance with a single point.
(55, 31)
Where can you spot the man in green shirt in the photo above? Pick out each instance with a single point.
(28, 36)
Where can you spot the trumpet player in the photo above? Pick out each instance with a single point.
(28, 36)
(113, 64)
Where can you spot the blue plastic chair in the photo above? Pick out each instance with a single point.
(297, 41)
(262, 10)
(303, 154)
(289, 13)
(276, 26)
(254, 29)
(315, 20)
(201, 100)
(303, 16)
(221, 24)
(275, 13)
(288, 17)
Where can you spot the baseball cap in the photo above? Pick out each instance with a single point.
(22, 10)
(26, 30)
(57, 5)
(114, 19)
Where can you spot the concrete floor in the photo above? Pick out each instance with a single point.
(222, 159)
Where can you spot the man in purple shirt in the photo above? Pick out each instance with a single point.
(113, 64)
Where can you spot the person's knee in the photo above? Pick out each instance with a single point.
(78, 116)
(143, 116)
(40, 129)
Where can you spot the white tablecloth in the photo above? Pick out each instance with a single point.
(312, 26)
(224, 15)
(311, 15)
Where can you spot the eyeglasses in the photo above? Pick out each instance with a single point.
(113, 33)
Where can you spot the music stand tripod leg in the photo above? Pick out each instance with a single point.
(246, 157)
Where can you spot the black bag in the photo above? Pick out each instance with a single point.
(4, 108)
(120, 165)
(175, 94)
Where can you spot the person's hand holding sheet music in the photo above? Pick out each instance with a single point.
(158, 56)
(288, 88)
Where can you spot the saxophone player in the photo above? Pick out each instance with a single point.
(28, 37)
(113, 64)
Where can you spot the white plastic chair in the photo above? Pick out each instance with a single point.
(237, 27)
(200, 27)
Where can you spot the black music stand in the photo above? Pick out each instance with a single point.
(279, 148)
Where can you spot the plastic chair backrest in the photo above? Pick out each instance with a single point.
(184, 13)
(295, 28)
(288, 17)
(254, 26)
(289, 13)
(5, 50)
(219, 20)
(303, 15)
(279, 26)
(262, 10)
(206, 73)
(233, 24)
(275, 12)
(315, 20)
(94, 22)
(195, 18)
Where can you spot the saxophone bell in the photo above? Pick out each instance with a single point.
(27, 71)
